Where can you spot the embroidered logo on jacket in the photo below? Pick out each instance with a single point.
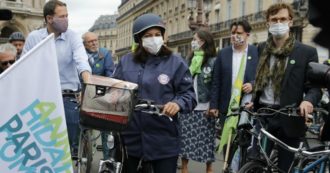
(163, 79)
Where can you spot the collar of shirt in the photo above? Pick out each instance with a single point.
(237, 51)
(45, 33)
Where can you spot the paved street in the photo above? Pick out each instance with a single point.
(194, 167)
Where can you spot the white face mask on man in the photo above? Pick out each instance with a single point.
(279, 30)
(153, 44)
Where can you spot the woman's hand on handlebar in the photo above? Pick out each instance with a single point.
(306, 108)
(248, 105)
(171, 109)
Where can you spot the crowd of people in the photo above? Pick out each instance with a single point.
(195, 90)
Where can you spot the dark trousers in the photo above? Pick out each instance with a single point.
(280, 127)
(167, 165)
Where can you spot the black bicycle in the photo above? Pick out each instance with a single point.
(268, 163)
(241, 150)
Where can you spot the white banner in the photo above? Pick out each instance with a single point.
(33, 133)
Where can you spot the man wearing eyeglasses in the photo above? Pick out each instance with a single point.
(99, 59)
(7, 56)
(281, 79)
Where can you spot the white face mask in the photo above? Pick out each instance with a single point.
(153, 44)
(279, 30)
(194, 45)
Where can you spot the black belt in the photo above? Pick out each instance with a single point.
(69, 93)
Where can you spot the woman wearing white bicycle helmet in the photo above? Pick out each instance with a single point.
(164, 78)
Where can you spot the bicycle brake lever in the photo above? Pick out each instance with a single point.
(170, 118)
(157, 113)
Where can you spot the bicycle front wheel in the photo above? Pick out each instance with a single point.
(254, 167)
(85, 153)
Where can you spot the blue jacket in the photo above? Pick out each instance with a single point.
(161, 79)
(222, 77)
(101, 62)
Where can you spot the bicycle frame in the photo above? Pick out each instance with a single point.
(319, 162)
(301, 153)
(104, 165)
(319, 159)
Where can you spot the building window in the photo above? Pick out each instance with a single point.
(177, 26)
(243, 8)
(183, 50)
(217, 8)
(217, 43)
(229, 9)
(225, 42)
(297, 32)
(217, 14)
(259, 5)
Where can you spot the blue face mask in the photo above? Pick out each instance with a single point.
(279, 30)
(60, 24)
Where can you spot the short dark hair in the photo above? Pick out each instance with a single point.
(245, 25)
(49, 7)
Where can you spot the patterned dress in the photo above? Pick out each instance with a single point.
(196, 129)
(197, 136)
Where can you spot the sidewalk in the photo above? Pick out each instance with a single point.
(196, 167)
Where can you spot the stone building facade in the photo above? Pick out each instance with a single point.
(105, 27)
(27, 16)
(220, 14)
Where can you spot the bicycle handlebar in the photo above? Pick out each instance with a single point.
(262, 112)
(151, 109)
(292, 149)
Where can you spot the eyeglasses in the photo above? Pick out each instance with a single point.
(4, 63)
(281, 19)
(92, 41)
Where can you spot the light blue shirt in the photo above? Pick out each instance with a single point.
(71, 56)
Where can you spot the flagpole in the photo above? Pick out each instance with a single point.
(227, 152)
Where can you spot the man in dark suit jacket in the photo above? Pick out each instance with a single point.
(227, 65)
(281, 79)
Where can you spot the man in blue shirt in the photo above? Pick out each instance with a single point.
(72, 62)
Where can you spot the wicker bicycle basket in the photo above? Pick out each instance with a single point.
(107, 103)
